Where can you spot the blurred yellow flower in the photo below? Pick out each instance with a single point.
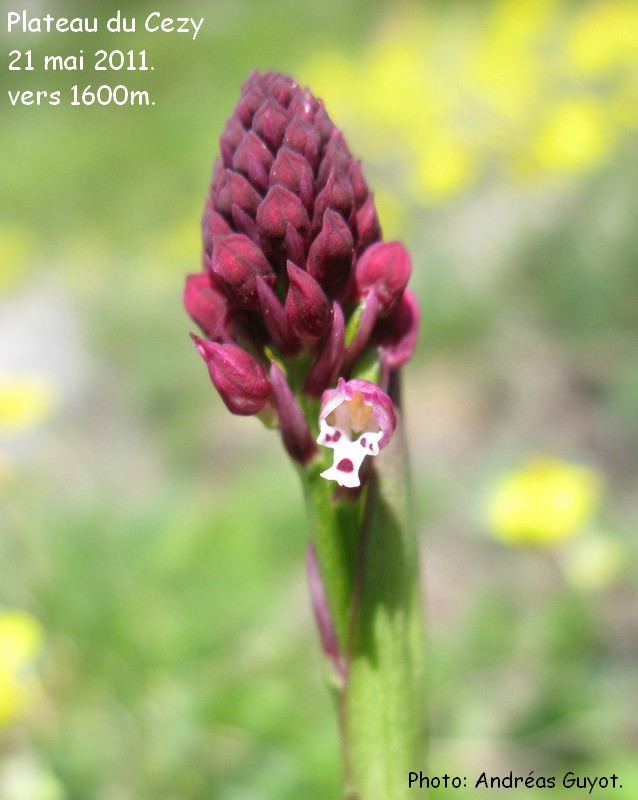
(20, 644)
(390, 211)
(534, 87)
(543, 502)
(576, 134)
(604, 36)
(443, 169)
(25, 400)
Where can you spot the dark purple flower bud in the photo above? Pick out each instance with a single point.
(233, 189)
(359, 186)
(233, 133)
(280, 87)
(270, 123)
(207, 306)
(251, 99)
(304, 139)
(213, 224)
(336, 156)
(326, 368)
(322, 122)
(396, 335)
(279, 209)
(307, 307)
(337, 194)
(236, 263)
(330, 255)
(366, 225)
(292, 171)
(254, 160)
(239, 379)
(295, 432)
(383, 269)
(244, 223)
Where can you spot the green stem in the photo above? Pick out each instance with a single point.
(367, 555)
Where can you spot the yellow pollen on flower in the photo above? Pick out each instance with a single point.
(543, 502)
(360, 412)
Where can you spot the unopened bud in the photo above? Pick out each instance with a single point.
(280, 87)
(239, 379)
(330, 255)
(234, 189)
(233, 133)
(337, 194)
(367, 225)
(307, 307)
(292, 171)
(336, 156)
(396, 335)
(252, 97)
(305, 139)
(384, 269)
(254, 159)
(359, 185)
(213, 224)
(270, 122)
(236, 262)
(279, 209)
(207, 306)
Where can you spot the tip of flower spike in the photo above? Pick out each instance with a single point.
(354, 407)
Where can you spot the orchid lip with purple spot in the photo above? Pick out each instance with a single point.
(354, 407)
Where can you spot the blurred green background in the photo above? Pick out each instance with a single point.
(155, 635)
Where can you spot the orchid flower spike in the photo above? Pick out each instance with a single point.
(354, 407)
(296, 281)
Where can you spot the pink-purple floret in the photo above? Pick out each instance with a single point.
(383, 411)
